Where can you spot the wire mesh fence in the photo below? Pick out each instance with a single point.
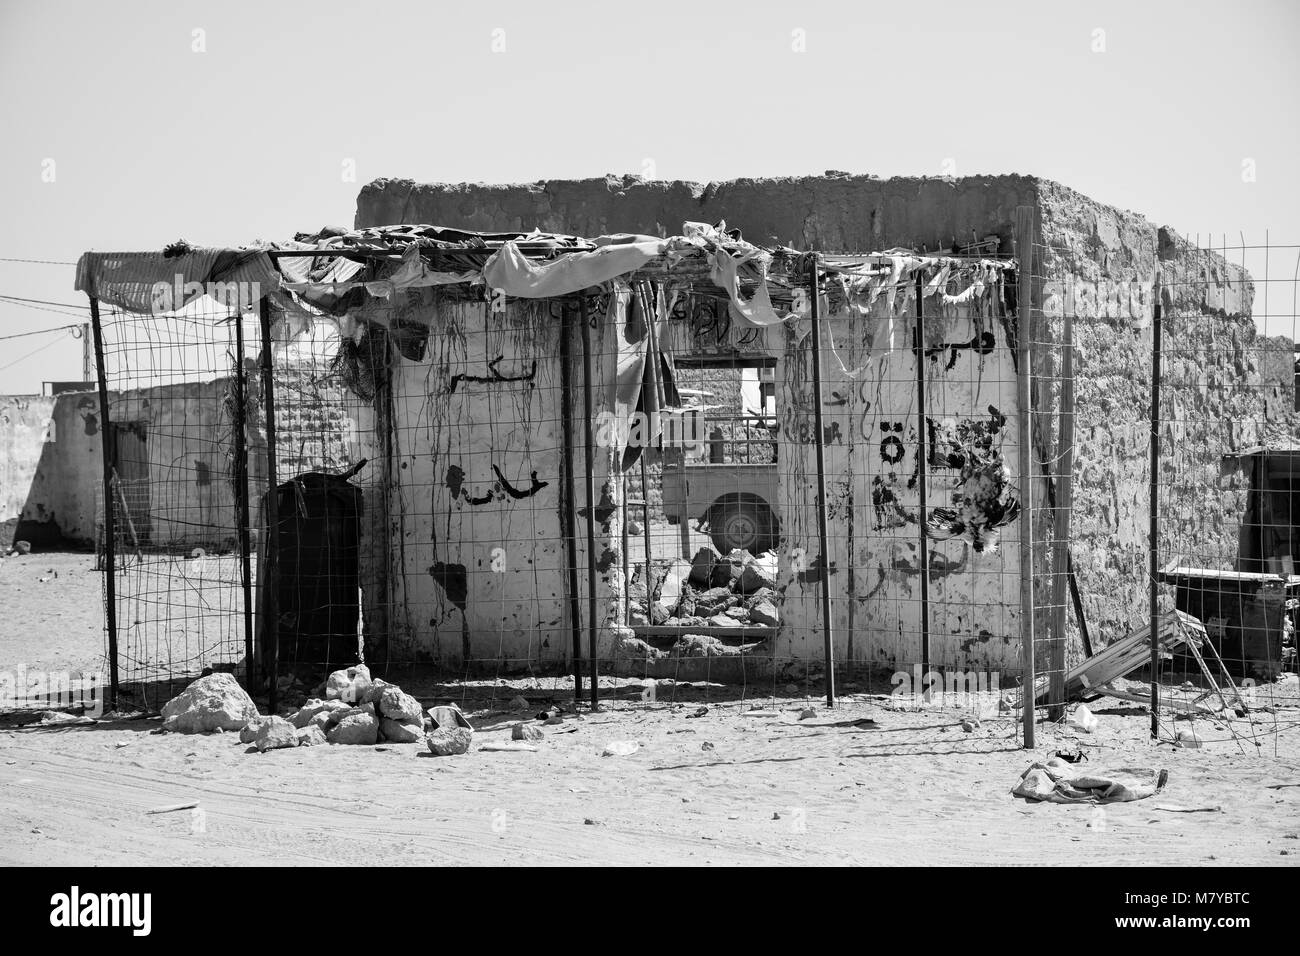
(1164, 416)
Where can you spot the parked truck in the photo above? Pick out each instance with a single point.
(733, 502)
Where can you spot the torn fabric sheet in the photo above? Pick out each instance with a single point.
(520, 277)
(1059, 782)
(324, 291)
(757, 310)
(644, 390)
(153, 282)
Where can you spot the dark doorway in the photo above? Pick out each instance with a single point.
(131, 466)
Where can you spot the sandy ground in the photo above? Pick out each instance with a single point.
(771, 790)
(51, 612)
(765, 789)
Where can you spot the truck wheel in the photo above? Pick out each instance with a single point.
(744, 525)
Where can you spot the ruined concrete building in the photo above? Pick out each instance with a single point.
(466, 343)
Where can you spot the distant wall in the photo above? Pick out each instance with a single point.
(25, 429)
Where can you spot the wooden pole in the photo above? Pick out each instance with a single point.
(823, 535)
(110, 529)
(1024, 440)
(1061, 523)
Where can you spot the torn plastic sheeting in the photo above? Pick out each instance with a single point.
(512, 272)
(412, 273)
(758, 309)
(153, 282)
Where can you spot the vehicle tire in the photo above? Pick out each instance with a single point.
(744, 525)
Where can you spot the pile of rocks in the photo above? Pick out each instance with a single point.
(735, 590)
(356, 709)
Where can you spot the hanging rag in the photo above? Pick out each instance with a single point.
(520, 277)
(644, 387)
(724, 270)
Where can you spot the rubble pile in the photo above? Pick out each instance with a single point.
(356, 709)
(733, 590)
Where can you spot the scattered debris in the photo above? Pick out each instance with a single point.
(862, 723)
(448, 716)
(509, 746)
(173, 807)
(1188, 739)
(620, 748)
(523, 731)
(1123, 656)
(808, 713)
(1176, 808)
(51, 718)
(1057, 782)
(697, 712)
(1075, 756)
(1083, 719)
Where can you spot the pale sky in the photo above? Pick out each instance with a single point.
(148, 140)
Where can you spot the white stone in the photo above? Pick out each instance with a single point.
(215, 702)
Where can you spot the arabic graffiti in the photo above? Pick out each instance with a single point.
(501, 488)
(494, 377)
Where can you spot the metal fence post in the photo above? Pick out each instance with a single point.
(241, 497)
(271, 577)
(591, 503)
(922, 478)
(823, 535)
(1024, 440)
(110, 529)
(1154, 529)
